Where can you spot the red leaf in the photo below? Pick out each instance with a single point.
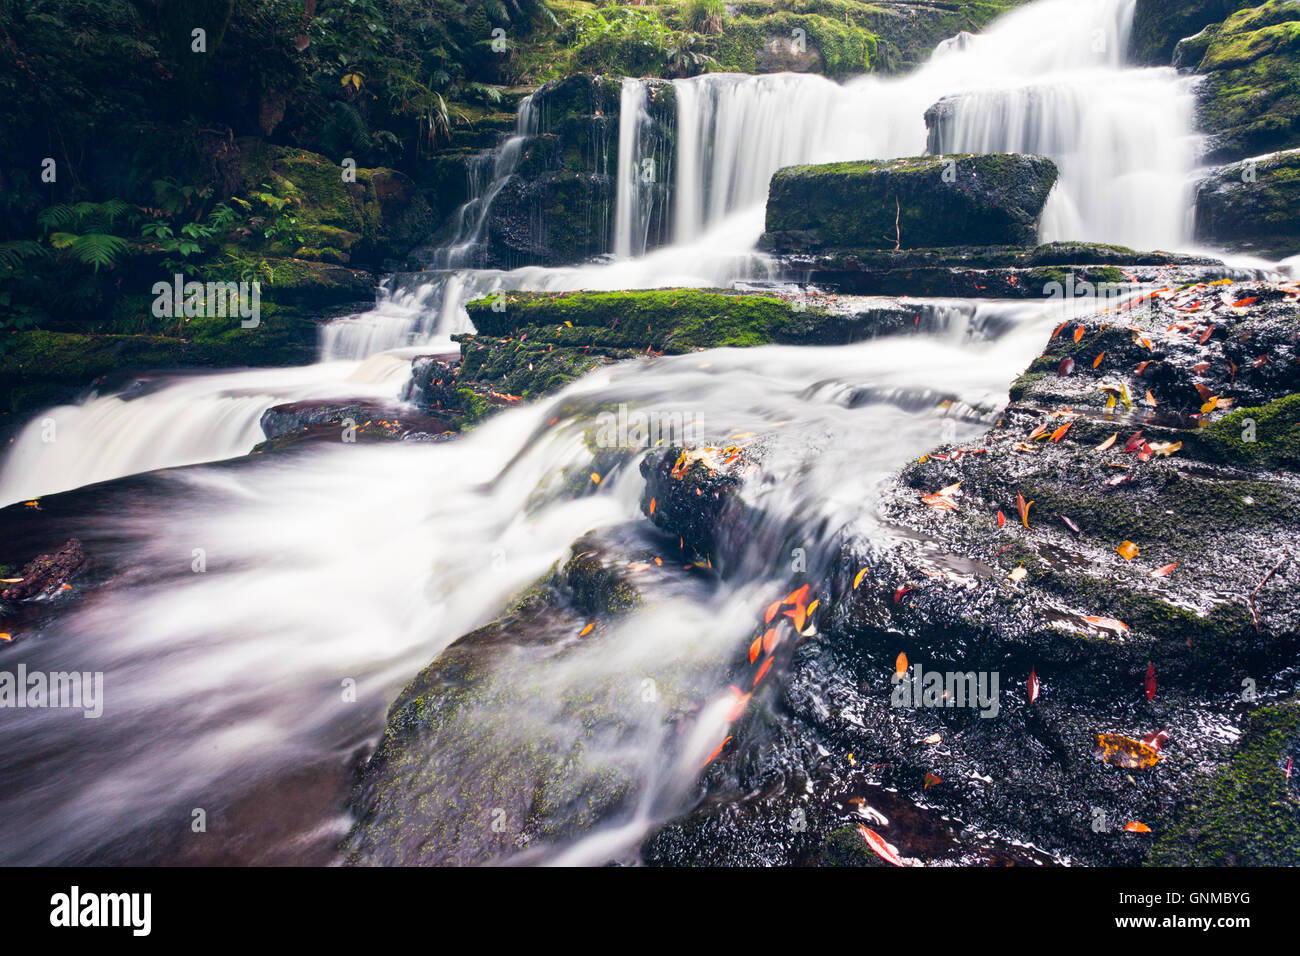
(1065, 368)
(899, 592)
(1002, 519)
(1151, 681)
(1034, 686)
(879, 846)
(1135, 440)
(1156, 739)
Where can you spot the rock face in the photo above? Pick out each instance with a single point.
(47, 573)
(1158, 25)
(1253, 206)
(1249, 102)
(1090, 638)
(926, 201)
(559, 207)
(1004, 272)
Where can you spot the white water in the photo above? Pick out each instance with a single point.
(1047, 77)
(362, 562)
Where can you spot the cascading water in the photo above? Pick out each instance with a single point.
(362, 562)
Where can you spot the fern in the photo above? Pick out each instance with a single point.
(13, 253)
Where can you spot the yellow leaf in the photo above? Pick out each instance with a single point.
(1125, 752)
(1018, 575)
(1128, 550)
(858, 580)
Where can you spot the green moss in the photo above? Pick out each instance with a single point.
(1264, 436)
(664, 320)
(1246, 813)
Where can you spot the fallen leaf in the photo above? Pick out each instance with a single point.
(1023, 507)
(1034, 685)
(1242, 303)
(1150, 683)
(858, 580)
(5, 636)
(932, 739)
(652, 506)
(1134, 827)
(1125, 752)
(1065, 368)
(1165, 448)
(1097, 360)
(1078, 333)
(1069, 523)
(587, 630)
(755, 649)
(1157, 739)
(1128, 550)
(900, 665)
(1142, 367)
(1002, 519)
(931, 780)
(882, 849)
(1060, 432)
(1107, 623)
(1151, 399)
(1108, 442)
(767, 664)
(1165, 571)
(899, 592)
(714, 756)
(1018, 575)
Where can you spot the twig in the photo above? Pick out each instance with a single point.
(1254, 615)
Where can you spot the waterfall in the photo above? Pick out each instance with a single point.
(1049, 77)
(465, 248)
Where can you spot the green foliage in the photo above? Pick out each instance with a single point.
(704, 16)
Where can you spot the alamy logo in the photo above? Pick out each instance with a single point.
(916, 687)
(74, 908)
(641, 429)
(178, 298)
(57, 689)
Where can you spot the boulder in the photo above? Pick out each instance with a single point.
(924, 201)
(1253, 206)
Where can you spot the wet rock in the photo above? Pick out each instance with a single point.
(469, 769)
(1253, 206)
(1246, 813)
(1205, 607)
(908, 203)
(558, 207)
(1007, 272)
(364, 420)
(48, 573)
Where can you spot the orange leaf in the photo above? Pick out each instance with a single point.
(1108, 442)
(1134, 827)
(762, 670)
(1060, 432)
(900, 665)
(755, 648)
(1078, 333)
(587, 630)
(714, 756)
(1242, 303)
(652, 506)
(931, 780)
(1107, 623)
(1151, 399)
(1023, 507)
(1128, 550)
(1125, 752)
(1097, 360)
(1002, 519)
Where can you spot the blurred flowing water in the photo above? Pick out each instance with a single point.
(226, 689)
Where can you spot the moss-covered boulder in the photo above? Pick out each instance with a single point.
(967, 200)
(1158, 25)
(1253, 205)
(1249, 102)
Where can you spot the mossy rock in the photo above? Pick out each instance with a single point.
(1253, 206)
(926, 201)
(1158, 25)
(1250, 99)
(1246, 813)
